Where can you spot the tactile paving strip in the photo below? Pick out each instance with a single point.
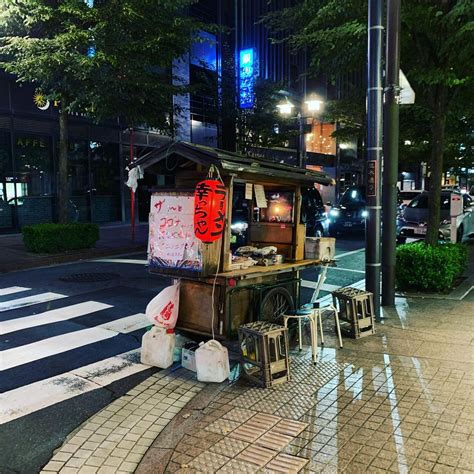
(286, 463)
(222, 426)
(247, 433)
(257, 455)
(235, 465)
(263, 420)
(239, 414)
(229, 447)
(274, 440)
(208, 462)
(289, 427)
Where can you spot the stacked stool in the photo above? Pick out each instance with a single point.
(356, 311)
(264, 353)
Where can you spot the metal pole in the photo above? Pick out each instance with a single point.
(300, 154)
(374, 151)
(390, 149)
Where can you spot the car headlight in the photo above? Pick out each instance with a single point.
(239, 226)
(334, 212)
(365, 213)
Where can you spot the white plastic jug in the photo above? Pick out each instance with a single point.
(157, 347)
(212, 362)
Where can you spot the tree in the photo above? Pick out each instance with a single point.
(107, 60)
(437, 50)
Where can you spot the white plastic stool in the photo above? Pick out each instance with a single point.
(313, 312)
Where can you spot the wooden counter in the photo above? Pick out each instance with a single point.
(257, 270)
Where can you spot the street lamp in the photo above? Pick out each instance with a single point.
(285, 108)
(313, 104)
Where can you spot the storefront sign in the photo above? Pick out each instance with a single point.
(172, 243)
(246, 78)
(24, 142)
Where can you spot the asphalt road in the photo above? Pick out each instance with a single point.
(70, 347)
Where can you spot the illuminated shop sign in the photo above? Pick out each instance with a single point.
(246, 78)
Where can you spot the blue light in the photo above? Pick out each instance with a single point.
(90, 51)
(90, 3)
(246, 78)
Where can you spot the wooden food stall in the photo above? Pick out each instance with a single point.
(262, 212)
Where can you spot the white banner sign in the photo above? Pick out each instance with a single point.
(171, 242)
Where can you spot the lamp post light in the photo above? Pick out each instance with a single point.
(313, 105)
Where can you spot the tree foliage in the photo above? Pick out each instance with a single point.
(437, 48)
(108, 60)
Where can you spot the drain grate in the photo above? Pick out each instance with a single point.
(88, 277)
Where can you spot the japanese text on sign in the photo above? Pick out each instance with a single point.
(372, 178)
(209, 210)
(172, 243)
(246, 78)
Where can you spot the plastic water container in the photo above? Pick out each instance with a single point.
(212, 362)
(188, 356)
(157, 347)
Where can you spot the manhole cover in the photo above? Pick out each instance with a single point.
(88, 277)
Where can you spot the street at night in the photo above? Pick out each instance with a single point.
(236, 236)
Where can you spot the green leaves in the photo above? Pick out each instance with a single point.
(135, 42)
(418, 266)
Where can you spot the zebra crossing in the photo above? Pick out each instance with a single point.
(55, 347)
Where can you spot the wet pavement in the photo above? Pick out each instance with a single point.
(401, 400)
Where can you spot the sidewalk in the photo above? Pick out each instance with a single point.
(399, 401)
(114, 240)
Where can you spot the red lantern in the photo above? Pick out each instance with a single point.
(209, 210)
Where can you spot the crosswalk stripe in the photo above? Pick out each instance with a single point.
(65, 342)
(29, 300)
(52, 316)
(12, 290)
(121, 260)
(127, 324)
(52, 346)
(324, 287)
(38, 395)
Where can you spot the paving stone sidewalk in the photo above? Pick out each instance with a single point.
(399, 401)
(116, 438)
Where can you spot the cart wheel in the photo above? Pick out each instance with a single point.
(275, 304)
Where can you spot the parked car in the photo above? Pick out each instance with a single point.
(404, 197)
(313, 213)
(412, 220)
(349, 214)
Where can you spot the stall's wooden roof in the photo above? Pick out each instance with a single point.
(229, 163)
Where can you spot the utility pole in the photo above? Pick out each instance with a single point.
(390, 152)
(374, 151)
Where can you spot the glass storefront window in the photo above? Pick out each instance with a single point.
(105, 182)
(78, 179)
(7, 184)
(34, 201)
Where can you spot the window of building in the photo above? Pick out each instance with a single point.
(7, 182)
(105, 182)
(320, 139)
(34, 199)
(204, 51)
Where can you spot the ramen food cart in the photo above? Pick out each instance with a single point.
(220, 285)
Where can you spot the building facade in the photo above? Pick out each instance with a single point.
(98, 154)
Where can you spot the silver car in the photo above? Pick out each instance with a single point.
(412, 220)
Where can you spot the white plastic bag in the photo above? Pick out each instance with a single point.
(163, 309)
